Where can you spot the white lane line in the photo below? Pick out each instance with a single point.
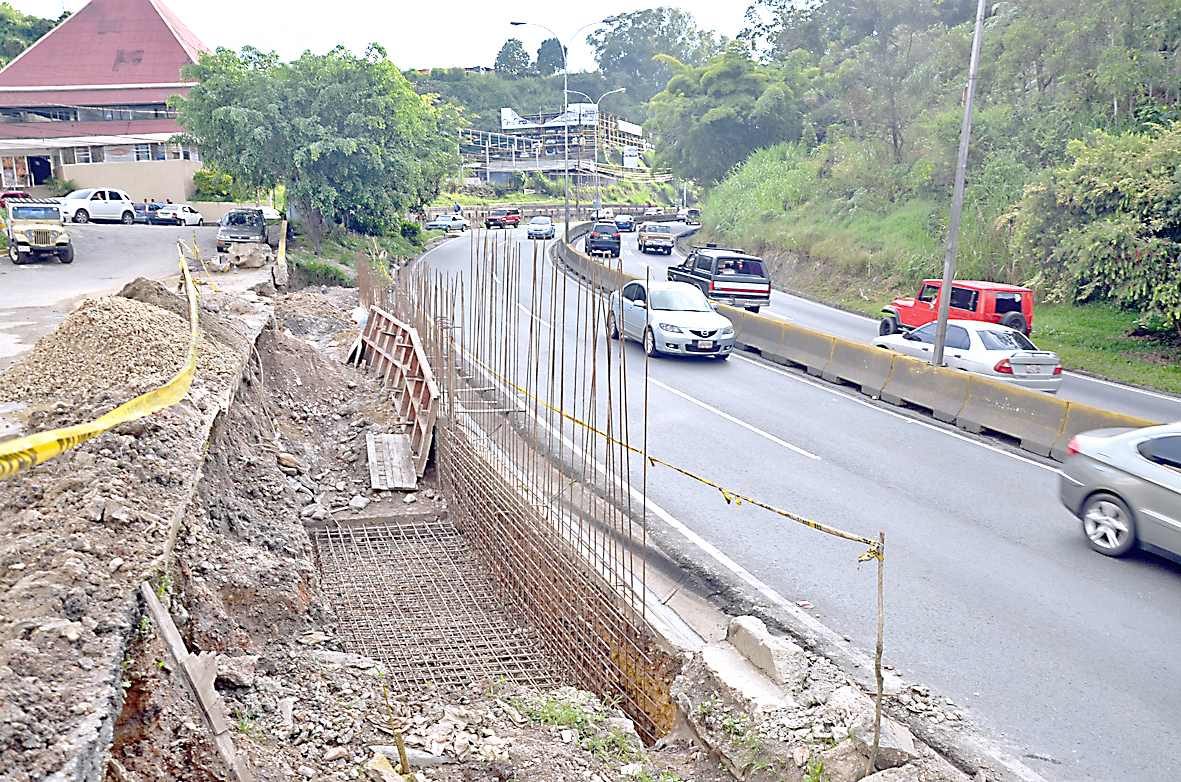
(1123, 387)
(915, 421)
(531, 315)
(777, 316)
(732, 419)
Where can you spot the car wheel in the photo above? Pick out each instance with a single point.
(612, 326)
(66, 255)
(753, 309)
(200, 221)
(128, 218)
(1108, 524)
(650, 344)
(13, 255)
(887, 327)
(1015, 320)
(81, 216)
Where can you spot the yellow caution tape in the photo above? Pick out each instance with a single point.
(875, 548)
(26, 452)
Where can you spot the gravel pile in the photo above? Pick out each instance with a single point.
(106, 342)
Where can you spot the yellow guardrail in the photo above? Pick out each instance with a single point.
(24, 453)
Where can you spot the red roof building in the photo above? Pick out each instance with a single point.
(95, 90)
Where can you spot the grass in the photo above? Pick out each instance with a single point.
(580, 716)
(341, 251)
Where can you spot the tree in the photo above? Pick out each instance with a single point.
(626, 45)
(551, 57)
(20, 31)
(512, 59)
(709, 119)
(346, 135)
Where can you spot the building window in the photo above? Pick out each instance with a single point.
(143, 152)
(82, 155)
(67, 156)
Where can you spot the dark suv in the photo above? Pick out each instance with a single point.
(727, 276)
(503, 218)
(603, 238)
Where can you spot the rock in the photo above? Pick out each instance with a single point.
(895, 747)
(312, 637)
(250, 256)
(236, 671)
(310, 510)
(306, 771)
(409, 498)
(358, 502)
(115, 564)
(844, 762)
(632, 770)
(287, 460)
(904, 774)
(567, 736)
(781, 660)
(415, 757)
(622, 728)
(846, 705)
(379, 769)
(320, 513)
(336, 753)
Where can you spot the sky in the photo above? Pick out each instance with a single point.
(416, 34)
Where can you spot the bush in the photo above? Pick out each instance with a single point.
(60, 187)
(412, 232)
(213, 186)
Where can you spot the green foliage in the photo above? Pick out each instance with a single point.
(512, 58)
(19, 31)
(627, 47)
(1110, 223)
(710, 118)
(347, 136)
(60, 187)
(212, 185)
(551, 57)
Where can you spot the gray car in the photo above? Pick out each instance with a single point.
(1125, 486)
(241, 225)
(669, 318)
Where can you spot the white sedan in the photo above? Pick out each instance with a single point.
(987, 349)
(179, 214)
(669, 318)
(448, 222)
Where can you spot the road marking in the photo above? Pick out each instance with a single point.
(777, 316)
(908, 419)
(534, 317)
(732, 419)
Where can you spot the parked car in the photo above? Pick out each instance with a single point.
(146, 213)
(448, 222)
(98, 203)
(993, 351)
(35, 229)
(241, 225)
(669, 317)
(7, 194)
(625, 222)
(655, 237)
(270, 213)
(503, 218)
(541, 227)
(726, 275)
(992, 302)
(603, 238)
(1125, 487)
(180, 214)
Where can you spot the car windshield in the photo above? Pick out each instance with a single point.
(658, 229)
(540, 221)
(605, 228)
(686, 300)
(35, 213)
(1005, 340)
(740, 266)
(243, 218)
(80, 194)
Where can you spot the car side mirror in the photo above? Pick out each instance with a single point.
(910, 335)
(641, 304)
(713, 305)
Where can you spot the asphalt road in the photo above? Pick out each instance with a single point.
(34, 297)
(1064, 658)
(1137, 402)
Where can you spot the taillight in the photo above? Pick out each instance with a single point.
(711, 285)
(1004, 367)
(615, 235)
(1072, 447)
(1058, 369)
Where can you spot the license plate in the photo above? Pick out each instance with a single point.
(1033, 370)
(705, 343)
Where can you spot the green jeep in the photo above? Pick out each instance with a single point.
(35, 227)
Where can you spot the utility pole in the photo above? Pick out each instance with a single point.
(957, 198)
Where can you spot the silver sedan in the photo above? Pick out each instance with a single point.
(996, 352)
(1125, 486)
(669, 317)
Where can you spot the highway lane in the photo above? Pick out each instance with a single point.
(993, 597)
(1137, 402)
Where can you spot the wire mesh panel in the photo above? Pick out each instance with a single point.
(411, 596)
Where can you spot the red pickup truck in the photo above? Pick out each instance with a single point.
(992, 302)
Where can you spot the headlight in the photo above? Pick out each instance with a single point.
(670, 328)
(727, 331)
(29, 234)
(53, 234)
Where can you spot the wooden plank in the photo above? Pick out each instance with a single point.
(391, 465)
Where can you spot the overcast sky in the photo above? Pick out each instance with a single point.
(416, 34)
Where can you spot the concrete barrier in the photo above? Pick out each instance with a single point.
(808, 348)
(755, 331)
(1080, 418)
(1032, 417)
(942, 391)
(862, 365)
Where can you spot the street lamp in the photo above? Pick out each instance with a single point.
(565, 103)
(598, 201)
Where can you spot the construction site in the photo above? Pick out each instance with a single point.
(389, 532)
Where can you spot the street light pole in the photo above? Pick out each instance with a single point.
(565, 103)
(598, 120)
